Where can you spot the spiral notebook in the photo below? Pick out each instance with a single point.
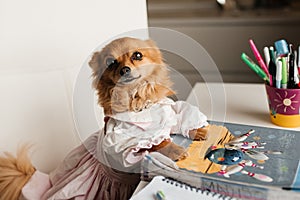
(175, 190)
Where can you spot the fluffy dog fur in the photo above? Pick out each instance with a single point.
(149, 75)
(15, 171)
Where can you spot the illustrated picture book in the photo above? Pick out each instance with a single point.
(241, 161)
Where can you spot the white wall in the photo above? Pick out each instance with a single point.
(54, 34)
(43, 45)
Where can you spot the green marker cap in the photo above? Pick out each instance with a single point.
(255, 67)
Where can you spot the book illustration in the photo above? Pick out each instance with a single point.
(226, 171)
(217, 136)
(281, 146)
(225, 156)
(260, 155)
(231, 157)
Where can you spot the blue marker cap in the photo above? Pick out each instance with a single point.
(282, 47)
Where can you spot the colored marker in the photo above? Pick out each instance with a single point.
(291, 81)
(290, 48)
(296, 73)
(272, 54)
(284, 73)
(299, 64)
(260, 60)
(255, 67)
(267, 55)
(278, 73)
(299, 57)
(272, 65)
(282, 47)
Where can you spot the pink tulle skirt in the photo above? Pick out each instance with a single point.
(83, 177)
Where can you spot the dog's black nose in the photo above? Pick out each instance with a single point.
(125, 71)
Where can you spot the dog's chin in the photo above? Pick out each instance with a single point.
(128, 80)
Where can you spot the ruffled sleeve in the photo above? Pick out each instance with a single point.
(188, 118)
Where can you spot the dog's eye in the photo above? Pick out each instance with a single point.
(111, 62)
(137, 56)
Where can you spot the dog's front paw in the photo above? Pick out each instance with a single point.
(173, 151)
(199, 134)
(181, 155)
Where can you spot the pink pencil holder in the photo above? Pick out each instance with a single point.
(284, 105)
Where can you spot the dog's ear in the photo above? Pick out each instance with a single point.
(152, 44)
(95, 62)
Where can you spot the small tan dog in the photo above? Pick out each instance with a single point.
(123, 72)
(133, 84)
(130, 75)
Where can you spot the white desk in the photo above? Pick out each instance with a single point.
(235, 103)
